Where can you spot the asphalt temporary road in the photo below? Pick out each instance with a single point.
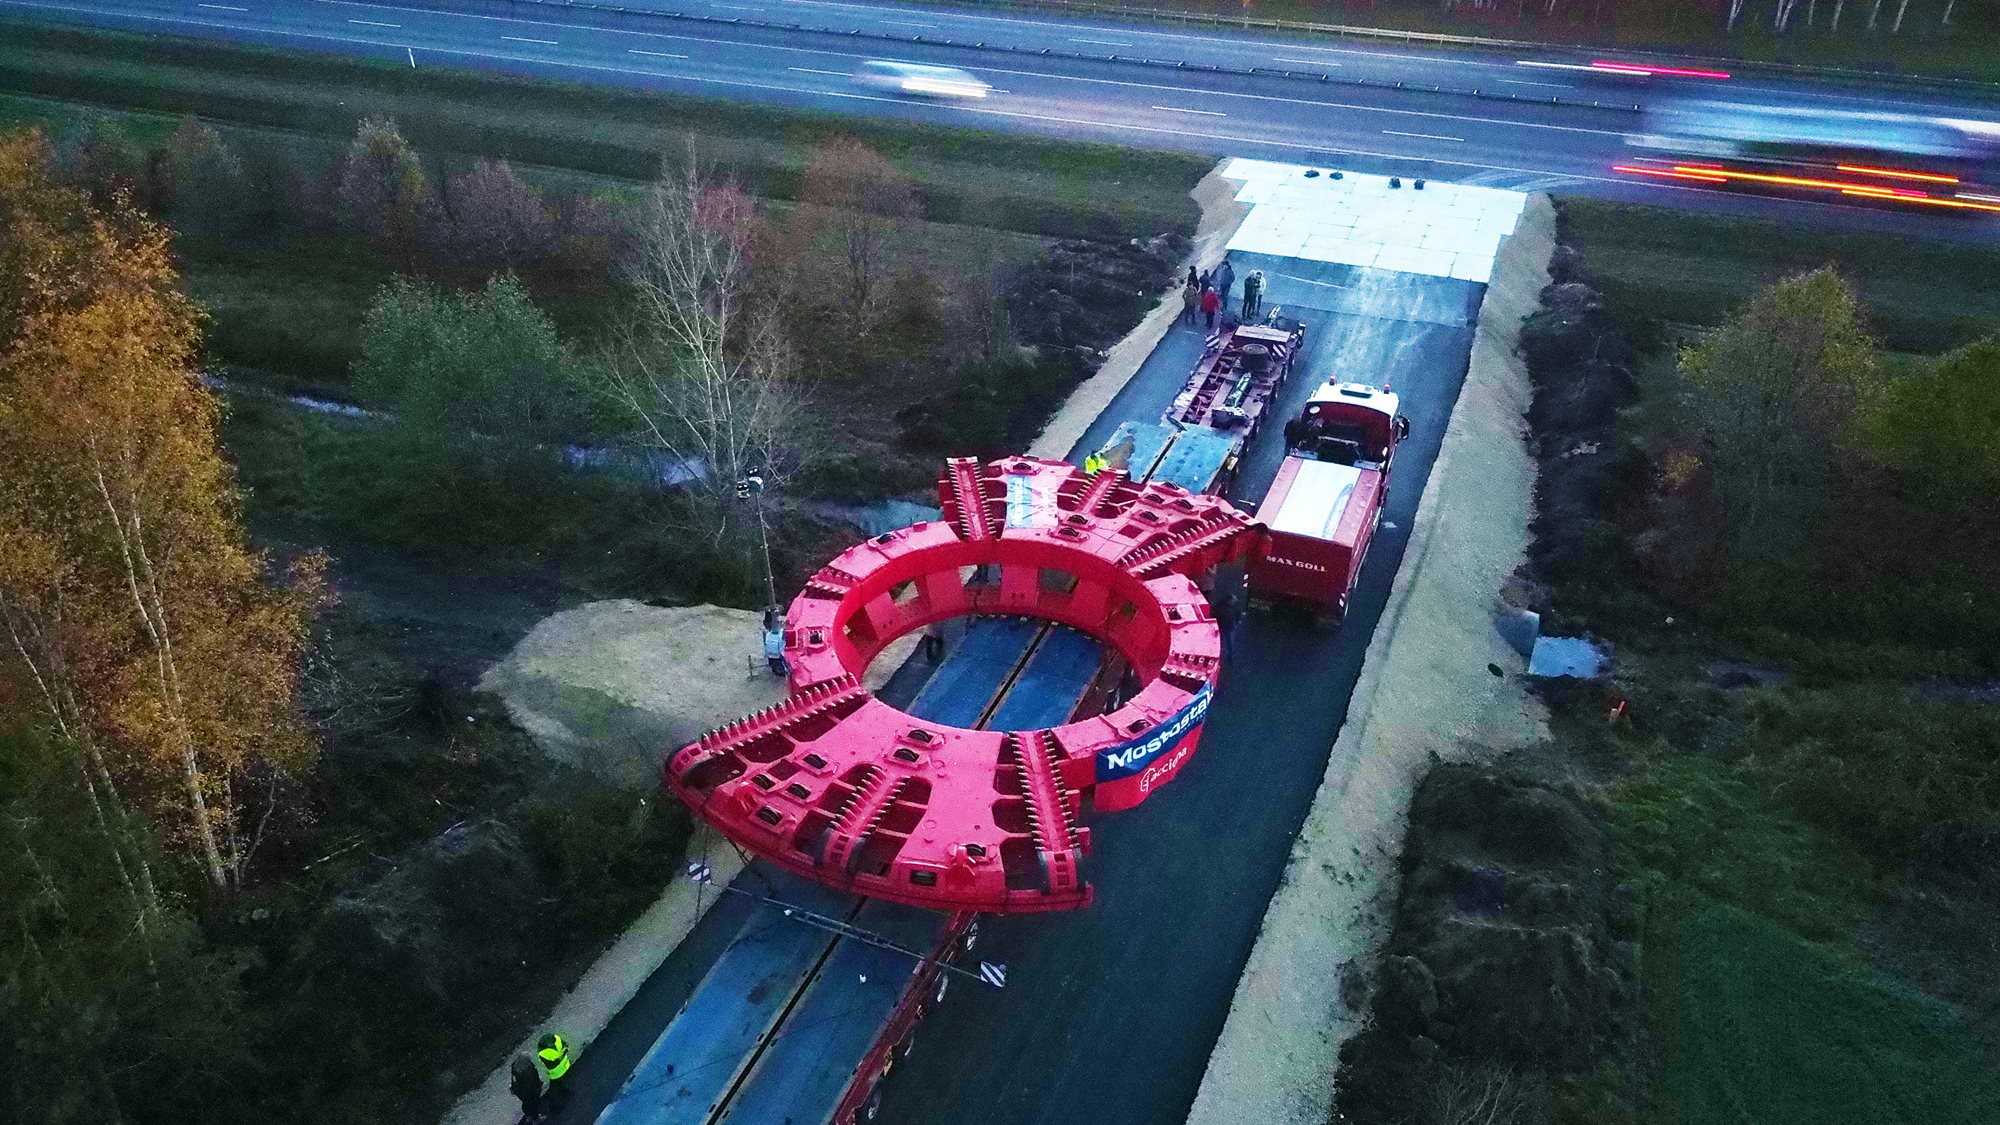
(1109, 1013)
(1543, 123)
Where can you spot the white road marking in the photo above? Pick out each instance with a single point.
(1543, 85)
(1307, 62)
(1424, 136)
(1103, 42)
(543, 42)
(909, 23)
(374, 23)
(1178, 109)
(223, 7)
(809, 70)
(654, 54)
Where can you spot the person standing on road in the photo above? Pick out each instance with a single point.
(1190, 299)
(1224, 278)
(1253, 295)
(528, 1085)
(553, 1050)
(934, 642)
(1194, 279)
(774, 641)
(1210, 302)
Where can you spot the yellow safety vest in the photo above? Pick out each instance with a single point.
(556, 1059)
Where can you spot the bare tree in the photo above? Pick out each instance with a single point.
(1874, 12)
(1736, 11)
(1902, 8)
(1834, 25)
(702, 373)
(1465, 1094)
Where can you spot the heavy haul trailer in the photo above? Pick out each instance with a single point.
(1200, 440)
(1323, 509)
(797, 1023)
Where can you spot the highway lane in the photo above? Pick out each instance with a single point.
(1518, 144)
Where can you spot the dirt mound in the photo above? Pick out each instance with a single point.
(1940, 928)
(1082, 296)
(456, 917)
(1504, 957)
(612, 685)
(1581, 368)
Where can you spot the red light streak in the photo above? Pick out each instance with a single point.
(1927, 177)
(1698, 177)
(1670, 71)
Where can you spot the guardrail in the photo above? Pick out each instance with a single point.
(1353, 31)
(1180, 65)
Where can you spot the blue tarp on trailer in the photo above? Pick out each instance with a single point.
(962, 687)
(807, 1069)
(1049, 687)
(1196, 459)
(702, 1051)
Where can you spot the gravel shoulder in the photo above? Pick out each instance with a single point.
(1275, 1059)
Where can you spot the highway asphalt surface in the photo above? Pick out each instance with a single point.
(1100, 80)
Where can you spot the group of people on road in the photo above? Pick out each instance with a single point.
(1207, 292)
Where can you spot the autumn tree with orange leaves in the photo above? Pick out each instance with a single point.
(133, 615)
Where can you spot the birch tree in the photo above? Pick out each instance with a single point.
(129, 598)
(701, 372)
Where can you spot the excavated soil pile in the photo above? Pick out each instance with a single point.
(1083, 296)
(1504, 961)
(1940, 928)
(1581, 367)
(457, 916)
(1065, 312)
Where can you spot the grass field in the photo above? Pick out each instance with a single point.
(1679, 267)
(1765, 1010)
(967, 176)
(1760, 1025)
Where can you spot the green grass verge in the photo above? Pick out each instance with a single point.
(1659, 265)
(1760, 1025)
(967, 176)
(1765, 1010)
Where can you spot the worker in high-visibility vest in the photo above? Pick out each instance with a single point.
(553, 1050)
(1095, 464)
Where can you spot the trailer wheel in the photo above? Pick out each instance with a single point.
(908, 1044)
(938, 996)
(970, 939)
(872, 1108)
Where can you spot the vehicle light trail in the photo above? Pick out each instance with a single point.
(1895, 174)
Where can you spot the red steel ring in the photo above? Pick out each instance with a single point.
(838, 786)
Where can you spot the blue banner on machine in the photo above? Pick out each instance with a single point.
(1128, 758)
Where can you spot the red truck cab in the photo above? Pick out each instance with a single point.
(1322, 510)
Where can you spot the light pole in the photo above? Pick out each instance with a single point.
(751, 487)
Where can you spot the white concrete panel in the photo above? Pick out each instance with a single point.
(1445, 230)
